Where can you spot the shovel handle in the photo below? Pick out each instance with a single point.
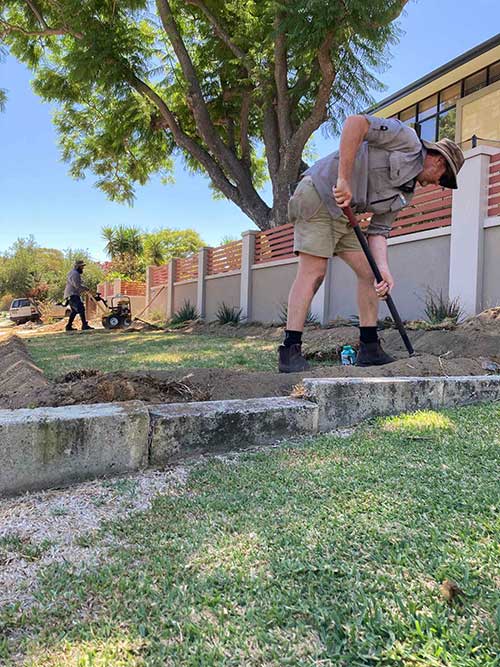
(378, 276)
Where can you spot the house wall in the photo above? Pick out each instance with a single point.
(491, 268)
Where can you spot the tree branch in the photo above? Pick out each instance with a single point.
(222, 34)
(281, 81)
(185, 141)
(244, 124)
(9, 27)
(319, 111)
(36, 11)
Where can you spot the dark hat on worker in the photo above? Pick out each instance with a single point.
(453, 156)
(79, 262)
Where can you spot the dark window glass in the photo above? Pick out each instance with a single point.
(427, 107)
(449, 96)
(475, 82)
(447, 123)
(408, 116)
(494, 73)
(427, 129)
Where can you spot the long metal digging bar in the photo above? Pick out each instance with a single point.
(373, 264)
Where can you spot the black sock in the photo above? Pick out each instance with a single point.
(292, 338)
(368, 334)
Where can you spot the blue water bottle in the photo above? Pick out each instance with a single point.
(348, 356)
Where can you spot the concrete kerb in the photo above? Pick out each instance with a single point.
(348, 401)
(48, 447)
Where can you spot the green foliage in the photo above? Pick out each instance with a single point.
(310, 318)
(28, 270)
(228, 314)
(439, 308)
(227, 239)
(130, 101)
(186, 313)
(165, 244)
(131, 250)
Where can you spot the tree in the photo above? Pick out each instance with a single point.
(28, 270)
(236, 87)
(166, 244)
(131, 250)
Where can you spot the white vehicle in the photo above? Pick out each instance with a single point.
(24, 310)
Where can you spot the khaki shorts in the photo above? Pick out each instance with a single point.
(316, 232)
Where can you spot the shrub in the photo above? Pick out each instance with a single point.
(310, 318)
(5, 301)
(439, 308)
(228, 314)
(186, 313)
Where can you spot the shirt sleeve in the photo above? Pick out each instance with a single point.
(391, 134)
(381, 224)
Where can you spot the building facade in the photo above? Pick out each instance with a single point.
(460, 100)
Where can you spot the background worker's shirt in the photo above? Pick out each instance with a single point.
(383, 178)
(74, 285)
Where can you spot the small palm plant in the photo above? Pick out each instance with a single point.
(310, 318)
(228, 314)
(186, 313)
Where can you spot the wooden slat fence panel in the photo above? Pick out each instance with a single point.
(224, 258)
(430, 209)
(132, 288)
(273, 244)
(159, 276)
(186, 268)
(494, 186)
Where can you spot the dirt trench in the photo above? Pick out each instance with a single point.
(471, 349)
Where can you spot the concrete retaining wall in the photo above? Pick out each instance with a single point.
(55, 446)
(345, 402)
(194, 428)
(49, 447)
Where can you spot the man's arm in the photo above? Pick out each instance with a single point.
(353, 134)
(378, 246)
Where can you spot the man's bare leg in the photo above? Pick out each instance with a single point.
(368, 300)
(310, 275)
(370, 350)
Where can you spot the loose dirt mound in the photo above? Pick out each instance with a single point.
(19, 377)
(473, 348)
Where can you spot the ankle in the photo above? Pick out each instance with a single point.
(292, 338)
(368, 334)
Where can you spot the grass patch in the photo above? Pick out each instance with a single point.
(326, 553)
(59, 353)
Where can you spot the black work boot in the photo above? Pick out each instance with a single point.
(372, 354)
(291, 359)
(68, 327)
(87, 327)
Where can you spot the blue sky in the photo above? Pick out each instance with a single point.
(38, 197)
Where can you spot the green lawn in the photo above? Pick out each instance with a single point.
(327, 552)
(60, 353)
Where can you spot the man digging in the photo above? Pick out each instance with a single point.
(72, 292)
(376, 169)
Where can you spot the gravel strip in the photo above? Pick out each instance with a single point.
(39, 529)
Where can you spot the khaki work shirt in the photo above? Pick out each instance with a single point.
(384, 173)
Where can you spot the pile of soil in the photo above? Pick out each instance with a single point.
(19, 377)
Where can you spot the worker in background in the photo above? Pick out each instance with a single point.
(72, 293)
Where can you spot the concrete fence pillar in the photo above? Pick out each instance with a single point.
(320, 305)
(469, 211)
(170, 289)
(149, 274)
(202, 270)
(247, 259)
